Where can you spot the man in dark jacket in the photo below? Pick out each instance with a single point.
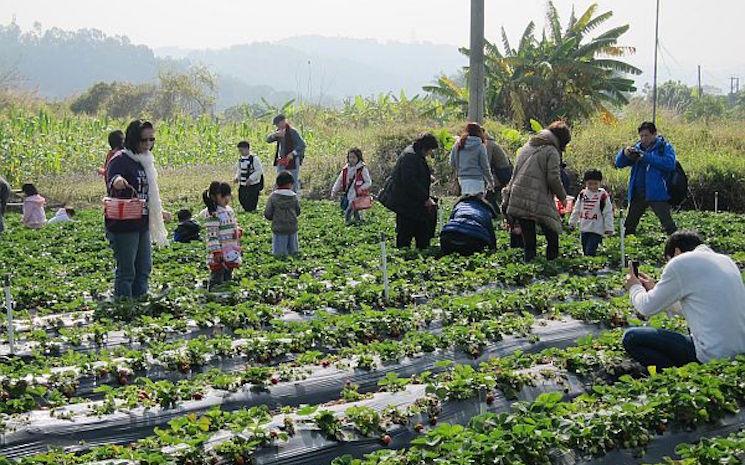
(470, 228)
(652, 161)
(416, 212)
(290, 150)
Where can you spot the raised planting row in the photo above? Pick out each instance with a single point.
(139, 407)
(328, 382)
(216, 318)
(467, 324)
(627, 414)
(599, 359)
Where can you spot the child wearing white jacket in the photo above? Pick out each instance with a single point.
(354, 180)
(593, 212)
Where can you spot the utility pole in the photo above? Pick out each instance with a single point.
(700, 89)
(476, 64)
(656, 47)
(734, 89)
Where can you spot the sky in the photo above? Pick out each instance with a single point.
(692, 32)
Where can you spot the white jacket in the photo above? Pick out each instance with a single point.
(351, 175)
(60, 217)
(709, 290)
(587, 212)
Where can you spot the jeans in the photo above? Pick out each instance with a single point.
(248, 196)
(295, 176)
(529, 240)
(590, 243)
(637, 208)
(134, 261)
(659, 347)
(221, 276)
(420, 229)
(285, 244)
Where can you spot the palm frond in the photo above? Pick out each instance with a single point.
(506, 43)
(552, 18)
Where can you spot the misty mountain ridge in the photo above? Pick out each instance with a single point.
(59, 64)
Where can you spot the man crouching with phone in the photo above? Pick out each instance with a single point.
(702, 285)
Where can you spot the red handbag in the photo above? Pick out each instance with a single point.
(123, 209)
(363, 202)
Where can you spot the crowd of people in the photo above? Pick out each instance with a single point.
(705, 287)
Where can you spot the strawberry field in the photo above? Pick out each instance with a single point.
(470, 360)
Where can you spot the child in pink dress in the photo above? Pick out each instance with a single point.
(33, 207)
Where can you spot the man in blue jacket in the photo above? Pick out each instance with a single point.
(652, 162)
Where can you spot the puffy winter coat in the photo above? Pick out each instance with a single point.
(472, 217)
(535, 181)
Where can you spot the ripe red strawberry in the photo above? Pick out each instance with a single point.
(325, 363)
(386, 439)
(275, 379)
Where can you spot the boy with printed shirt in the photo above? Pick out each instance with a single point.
(593, 212)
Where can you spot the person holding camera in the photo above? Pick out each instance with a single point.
(652, 161)
(702, 285)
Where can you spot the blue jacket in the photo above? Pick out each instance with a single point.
(472, 217)
(658, 162)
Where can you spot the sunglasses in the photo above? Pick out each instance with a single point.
(148, 139)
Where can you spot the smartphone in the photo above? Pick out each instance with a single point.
(635, 267)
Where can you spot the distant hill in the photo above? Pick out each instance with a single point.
(59, 64)
(314, 66)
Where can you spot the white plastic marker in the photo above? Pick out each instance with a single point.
(716, 202)
(384, 266)
(622, 230)
(9, 307)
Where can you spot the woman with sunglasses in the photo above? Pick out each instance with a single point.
(131, 173)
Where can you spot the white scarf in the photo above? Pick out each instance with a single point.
(158, 233)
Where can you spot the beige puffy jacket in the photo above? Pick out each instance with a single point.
(535, 182)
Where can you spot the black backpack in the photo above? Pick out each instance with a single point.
(677, 186)
(677, 183)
